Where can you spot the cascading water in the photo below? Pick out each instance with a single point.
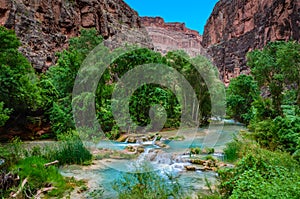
(151, 142)
(170, 160)
(126, 141)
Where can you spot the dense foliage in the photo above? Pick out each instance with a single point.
(274, 115)
(277, 68)
(20, 94)
(25, 94)
(241, 93)
(270, 168)
(58, 82)
(276, 118)
(260, 173)
(28, 163)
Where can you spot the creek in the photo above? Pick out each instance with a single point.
(173, 160)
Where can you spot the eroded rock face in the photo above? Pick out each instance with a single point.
(236, 27)
(173, 36)
(45, 26)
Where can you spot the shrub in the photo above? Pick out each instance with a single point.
(232, 150)
(4, 114)
(195, 150)
(209, 150)
(70, 150)
(261, 174)
(18, 82)
(11, 153)
(279, 133)
(280, 184)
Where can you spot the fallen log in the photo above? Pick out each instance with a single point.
(39, 192)
(51, 163)
(20, 189)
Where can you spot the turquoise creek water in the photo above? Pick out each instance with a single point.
(171, 160)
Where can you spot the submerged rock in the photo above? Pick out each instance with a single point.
(190, 168)
(140, 149)
(131, 140)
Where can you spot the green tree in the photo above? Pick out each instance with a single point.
(58, 82)
(204, 78)
(277, 67)
(18, 83)
(241, 93)
(144, 97)
(276, 116)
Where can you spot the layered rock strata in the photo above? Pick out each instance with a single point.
(173, 36)
(236, 27)
(45, 26)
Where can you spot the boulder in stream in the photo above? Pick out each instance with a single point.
(190, 168)
(122, 138)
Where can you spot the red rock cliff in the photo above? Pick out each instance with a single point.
(236, 27)
(44, 26)
(173, 36)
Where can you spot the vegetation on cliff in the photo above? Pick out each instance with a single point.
(267, 159)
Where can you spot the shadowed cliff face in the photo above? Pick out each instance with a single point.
(236, 27)
(173, 36)
(45, 26)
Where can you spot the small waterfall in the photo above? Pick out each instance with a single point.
(126, 141)
(154, 140)
(144, 156)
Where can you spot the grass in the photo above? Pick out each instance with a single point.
(177, 138)
(29, 164)
(39, 176)
(146, 184)
(71, 151)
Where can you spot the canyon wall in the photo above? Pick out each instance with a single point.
(236, 27)
(173, 36)
(44, 26)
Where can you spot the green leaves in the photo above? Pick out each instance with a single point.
(275, 120)
(276, 67)
(88, 40)
(261, 174)
(4, 114)
(18, 82)
(241, 92)
(8, 40)
(58, 82)
(275, 116)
